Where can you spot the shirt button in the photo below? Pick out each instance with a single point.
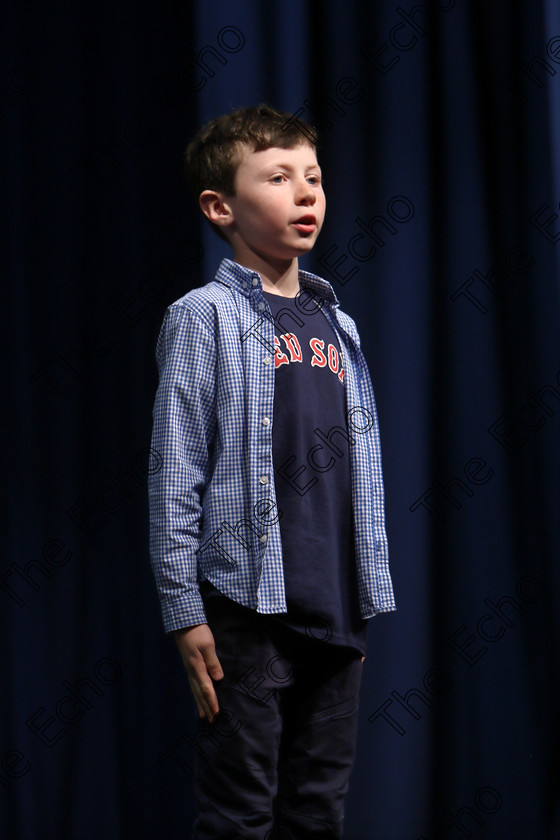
(264, 538)
(263, 479)
(266, 421)
(261, 306)
(267, 360)
(255, 281)
(245, 284)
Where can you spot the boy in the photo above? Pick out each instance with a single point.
(267, 529)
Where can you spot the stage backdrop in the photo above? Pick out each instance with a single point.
(440, 141)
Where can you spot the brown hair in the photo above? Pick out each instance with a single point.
(214, 153)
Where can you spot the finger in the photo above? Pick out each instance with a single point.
(203, 706)
(210, 700)
(204, 693)
(213, 665)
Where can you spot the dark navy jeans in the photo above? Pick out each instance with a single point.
(275, 763)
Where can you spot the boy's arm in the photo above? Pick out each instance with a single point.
(183, 432)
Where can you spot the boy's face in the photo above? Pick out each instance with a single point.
(279, 205)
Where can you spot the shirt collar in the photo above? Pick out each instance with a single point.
(244, 280)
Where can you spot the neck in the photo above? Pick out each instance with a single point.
(279, 277)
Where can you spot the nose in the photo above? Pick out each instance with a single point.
(305, 193)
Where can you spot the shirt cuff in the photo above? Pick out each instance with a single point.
(183, 613)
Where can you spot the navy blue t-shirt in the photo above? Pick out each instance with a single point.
(310, 444)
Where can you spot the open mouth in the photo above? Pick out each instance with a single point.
(306, 224)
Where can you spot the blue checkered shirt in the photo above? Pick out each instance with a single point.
(213, 510)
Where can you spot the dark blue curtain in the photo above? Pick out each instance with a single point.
(440, 140)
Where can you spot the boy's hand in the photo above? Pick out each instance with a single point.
(198, 652)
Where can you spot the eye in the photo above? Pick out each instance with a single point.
(315, 180)
(277, 179)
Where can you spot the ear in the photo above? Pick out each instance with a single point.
(215, 207)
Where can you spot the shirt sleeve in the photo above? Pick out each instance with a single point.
(184, 423)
